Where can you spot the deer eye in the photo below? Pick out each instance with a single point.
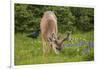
(58, 48)
(56, 42)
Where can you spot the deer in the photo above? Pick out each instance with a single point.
(49, 30)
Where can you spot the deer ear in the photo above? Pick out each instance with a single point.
(56, 41)
(58, 37)
(53, 36)
(49, 39)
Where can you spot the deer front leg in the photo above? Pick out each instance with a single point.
(55, 50)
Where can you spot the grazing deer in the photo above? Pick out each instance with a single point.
(48, 27)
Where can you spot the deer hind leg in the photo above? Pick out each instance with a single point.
(44, 47)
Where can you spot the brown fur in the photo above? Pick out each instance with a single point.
(48, 26)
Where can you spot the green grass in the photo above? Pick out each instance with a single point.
(29, 51)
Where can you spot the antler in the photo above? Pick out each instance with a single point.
(66, 38)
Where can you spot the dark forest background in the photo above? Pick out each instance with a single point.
(28, 16)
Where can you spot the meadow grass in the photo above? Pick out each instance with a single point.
(29, 51)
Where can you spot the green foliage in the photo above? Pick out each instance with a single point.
(28, 17)
(29, 51)
(23, 18)
(84, 18)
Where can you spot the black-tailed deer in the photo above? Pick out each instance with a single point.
(48, 27)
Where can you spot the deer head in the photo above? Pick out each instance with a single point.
(58, 43)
